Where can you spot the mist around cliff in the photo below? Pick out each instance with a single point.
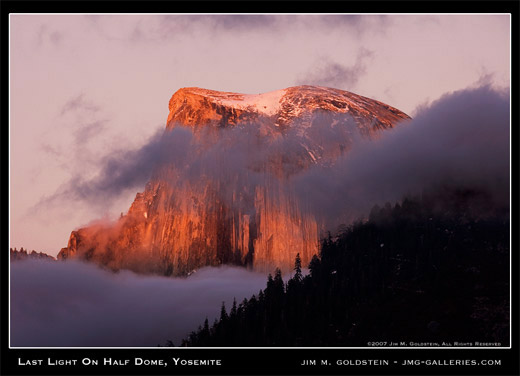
(461, 140)
(74, 304)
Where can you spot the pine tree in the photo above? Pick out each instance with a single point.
(315, 266)
(233, 311)
(223, 313)
(278, 284)
(298, 268)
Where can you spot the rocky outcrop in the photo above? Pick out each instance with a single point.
(238, 206)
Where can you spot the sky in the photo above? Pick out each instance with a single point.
(83, 87)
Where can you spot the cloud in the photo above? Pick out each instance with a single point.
(57, 304)
(460, 140)
(46, 35)
(170, 27)
(332, 74)
(230, 22)
(76, 151)
(237, 152)
(269, 22)
(122, 170)
(164, 28)
(88, 130)
(49, 149)
(79, 103)
(356, 23)
(86, 119)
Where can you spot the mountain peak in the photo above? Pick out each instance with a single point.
(194, 106)
(232, 200)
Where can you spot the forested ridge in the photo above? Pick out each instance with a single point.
(431, 268)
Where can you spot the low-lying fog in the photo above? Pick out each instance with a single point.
(73, 304)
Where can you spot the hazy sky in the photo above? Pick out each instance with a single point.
(83, 86)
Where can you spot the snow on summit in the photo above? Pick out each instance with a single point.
(266, 103)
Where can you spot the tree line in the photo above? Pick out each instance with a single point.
(431, 268)
(23, 254)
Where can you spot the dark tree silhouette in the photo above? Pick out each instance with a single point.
(432, 268)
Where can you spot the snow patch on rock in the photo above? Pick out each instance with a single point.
(266, 103)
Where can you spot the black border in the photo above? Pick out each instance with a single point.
(264, 361)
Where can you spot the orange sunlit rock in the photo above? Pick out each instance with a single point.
(179, 224)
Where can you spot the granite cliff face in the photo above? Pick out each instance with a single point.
(229, 200)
